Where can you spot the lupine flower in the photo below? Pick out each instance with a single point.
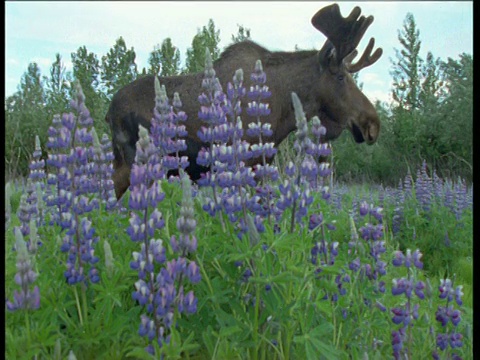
(461, 199)
(405, 314)
(26, 298)
(214, 115)
(37, 165)
(261, 130)
(423, 187)
(161, 292)
(398, 337)
(167, 130)
(295, 193)
(151, 249)
(448, 314)
(37, 178)
(400, 259)
(186, 223)
(102, 155)
(70, 184)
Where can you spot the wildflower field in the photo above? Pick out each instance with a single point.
(274, 261)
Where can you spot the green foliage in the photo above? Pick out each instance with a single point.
(406, 82)
(242, 34)
(25, 117)
(118, 67)
(164, 60)
(87, 70)
(207, 38)
(57, 87)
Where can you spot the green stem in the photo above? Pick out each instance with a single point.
(85, 303)
(206, 279)
(79, 308)
(27, 326)
(255, 321)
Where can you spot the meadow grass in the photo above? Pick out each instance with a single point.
(291, 320)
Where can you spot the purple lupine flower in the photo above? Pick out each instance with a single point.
(445, 315)
(78, 242)
(24, 214)
(423, 187)
(446, 290)
(407, 260)
(419, 286)
(320, 153)
(458, 294)
(398, 337)
(315, 221)
(167, 131)
(103, 170)
(186, 223)
(295, 193)
(405, 314)
(371, 232)
(363, 208)
(399, 315)
(354, 265)
(461, 198)
(456, 340)
(161, 292)
(37, 165)
(69, 187)
(442, 341)
(261, 129)
(37, 177)
(26, 298)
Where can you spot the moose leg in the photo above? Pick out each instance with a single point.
(121, 179)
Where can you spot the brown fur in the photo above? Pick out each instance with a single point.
(337, 101)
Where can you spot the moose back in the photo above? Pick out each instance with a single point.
(321, 79)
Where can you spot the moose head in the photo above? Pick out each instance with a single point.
(341, 101)
(321, 79)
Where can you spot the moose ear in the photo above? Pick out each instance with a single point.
(327, 56)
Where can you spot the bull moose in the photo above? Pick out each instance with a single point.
(321, 79)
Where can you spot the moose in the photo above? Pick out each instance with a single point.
(321, 79)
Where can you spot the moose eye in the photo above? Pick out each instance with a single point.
(340, 77)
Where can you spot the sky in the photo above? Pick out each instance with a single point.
(36, 31)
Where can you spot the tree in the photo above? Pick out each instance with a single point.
(31, 88)
(25, 117)
(57, 87)
(431, 91)
(118, 67)
(242, 34)
(457, 110)
(209, 38)
(406, 83)
(164, 60)
(86, 70)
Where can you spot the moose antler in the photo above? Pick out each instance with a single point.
(345, 34)
(367, 58)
